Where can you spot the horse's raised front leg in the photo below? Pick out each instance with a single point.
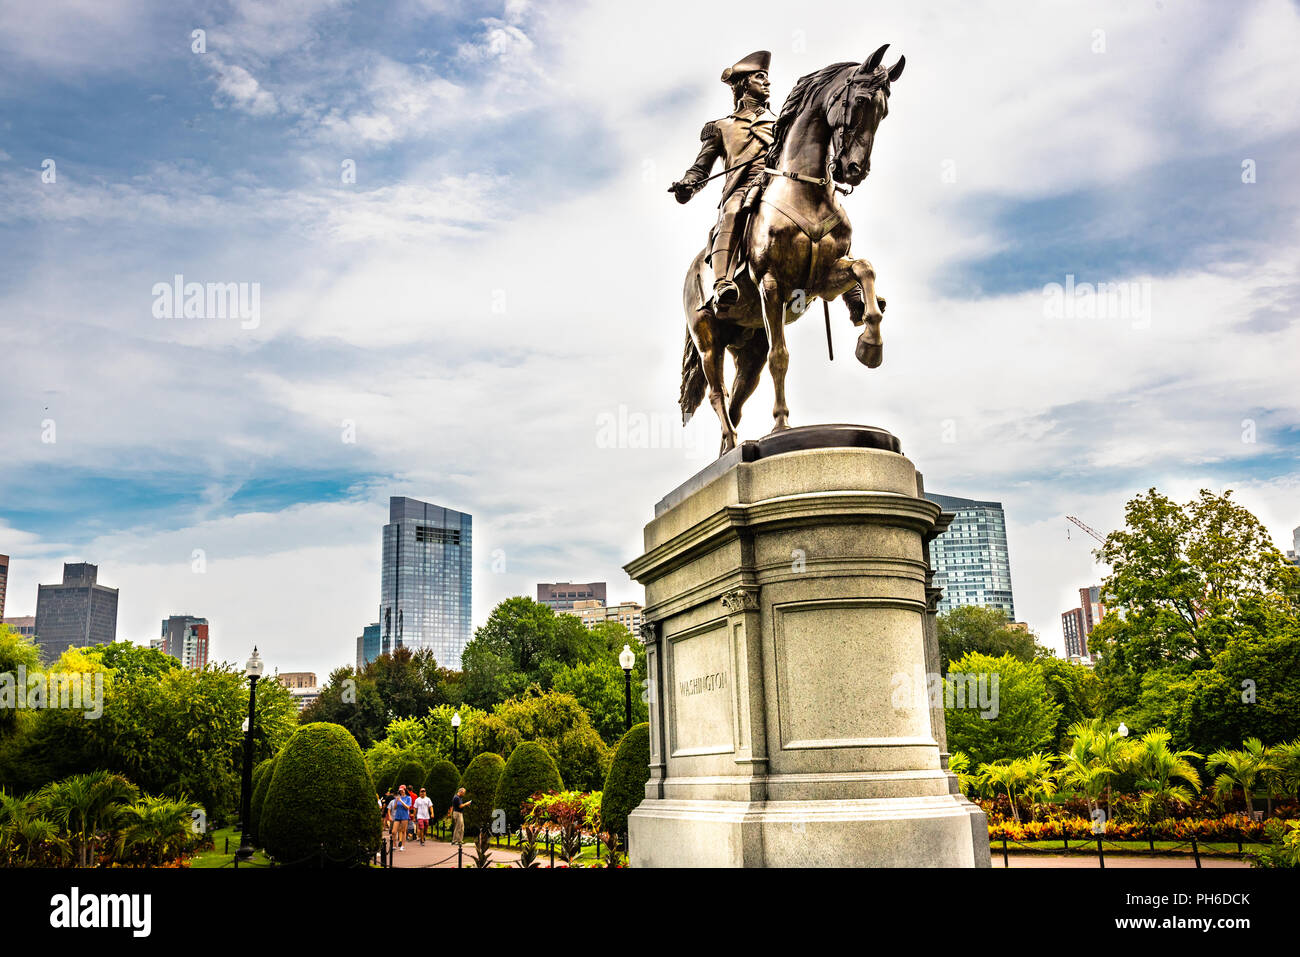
(778, 356)
(850, 276)
(711, 358)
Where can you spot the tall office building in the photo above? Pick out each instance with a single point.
(76, 613)
(185, 638)
(367, 645)
(4, 583)
(1077, 623)
(970, 558)
(560, 596)
(1293, 554)
(426, 583)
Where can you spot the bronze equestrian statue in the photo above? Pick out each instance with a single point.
(793, 246)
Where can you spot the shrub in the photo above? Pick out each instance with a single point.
(320, 795)
(480, 784)
(529, 771)
(261, 781)
(625, 786)
(412, 774)
(442, 782)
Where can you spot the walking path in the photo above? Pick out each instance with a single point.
(442, 854)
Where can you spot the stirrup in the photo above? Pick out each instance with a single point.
(726, 292)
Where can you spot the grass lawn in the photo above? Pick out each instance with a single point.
(218, 856)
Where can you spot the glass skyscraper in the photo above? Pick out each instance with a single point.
(426, 581)
(970, 559)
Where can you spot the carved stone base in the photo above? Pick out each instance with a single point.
(791, 610)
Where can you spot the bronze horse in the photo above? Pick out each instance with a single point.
(796, 245)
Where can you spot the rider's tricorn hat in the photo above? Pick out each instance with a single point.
(758, 60)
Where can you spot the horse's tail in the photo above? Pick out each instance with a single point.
(693, 384)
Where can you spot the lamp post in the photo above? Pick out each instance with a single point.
(252, 671)
(627, 660)
(455, 738)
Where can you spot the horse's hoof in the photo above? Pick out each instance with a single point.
(870, 355)
(728, 443)
(780, 426)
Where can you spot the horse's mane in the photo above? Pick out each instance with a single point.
(803, 93)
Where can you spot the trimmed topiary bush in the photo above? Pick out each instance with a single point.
(261, 781)
(412, 774)
(480, 784)
(320, 794)
(529, 770)
(442, 782)
(625, 786)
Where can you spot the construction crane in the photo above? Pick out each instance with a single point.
(1087, 528)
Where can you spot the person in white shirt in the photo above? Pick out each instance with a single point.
(422, 807)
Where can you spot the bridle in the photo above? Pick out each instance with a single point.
(877, 79)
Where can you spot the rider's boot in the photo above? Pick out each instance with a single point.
(725, 292)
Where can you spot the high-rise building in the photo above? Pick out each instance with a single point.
(23, 624)
(76, 613)
(368, 643)
(560, 596)
(302, 685)
(970, 558)
(427, 576)
(1294, 553)
(1077, 623)
(4, 583)
(185, 638)
(592, 611)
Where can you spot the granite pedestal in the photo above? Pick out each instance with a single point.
(790, 617)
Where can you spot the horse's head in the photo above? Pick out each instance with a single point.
(854, 114)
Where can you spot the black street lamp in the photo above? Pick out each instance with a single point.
(627, 660)
(455, 738)
(253, 671)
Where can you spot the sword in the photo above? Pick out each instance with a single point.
(830, 349)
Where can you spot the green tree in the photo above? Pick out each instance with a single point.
(353, 701)
(480, 783)
(341, 824)
(87, 806)
(1075, 688)
(441, 783)
(1187, 578)
(529, 771)
(558, 723)
(521, 644)
(1246, 768)
(600, 687)
(628, 773)
(969, 629)
(1012, 716)
(257, 800)
(1164, 776)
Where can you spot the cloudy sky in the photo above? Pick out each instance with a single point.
(467, 263)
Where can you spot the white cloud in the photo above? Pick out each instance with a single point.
(239, 88)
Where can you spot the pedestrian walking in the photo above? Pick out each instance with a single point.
(400, 811)
(458, 804)
(422, 807)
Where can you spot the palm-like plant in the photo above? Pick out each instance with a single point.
(1159, 771)
(1283, 777)
(1038, 779)
(959, 764)
(1245, 769)
(156, 829)
(1003, 776)
(85, 805)
(1081, 771)
(26, 838)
